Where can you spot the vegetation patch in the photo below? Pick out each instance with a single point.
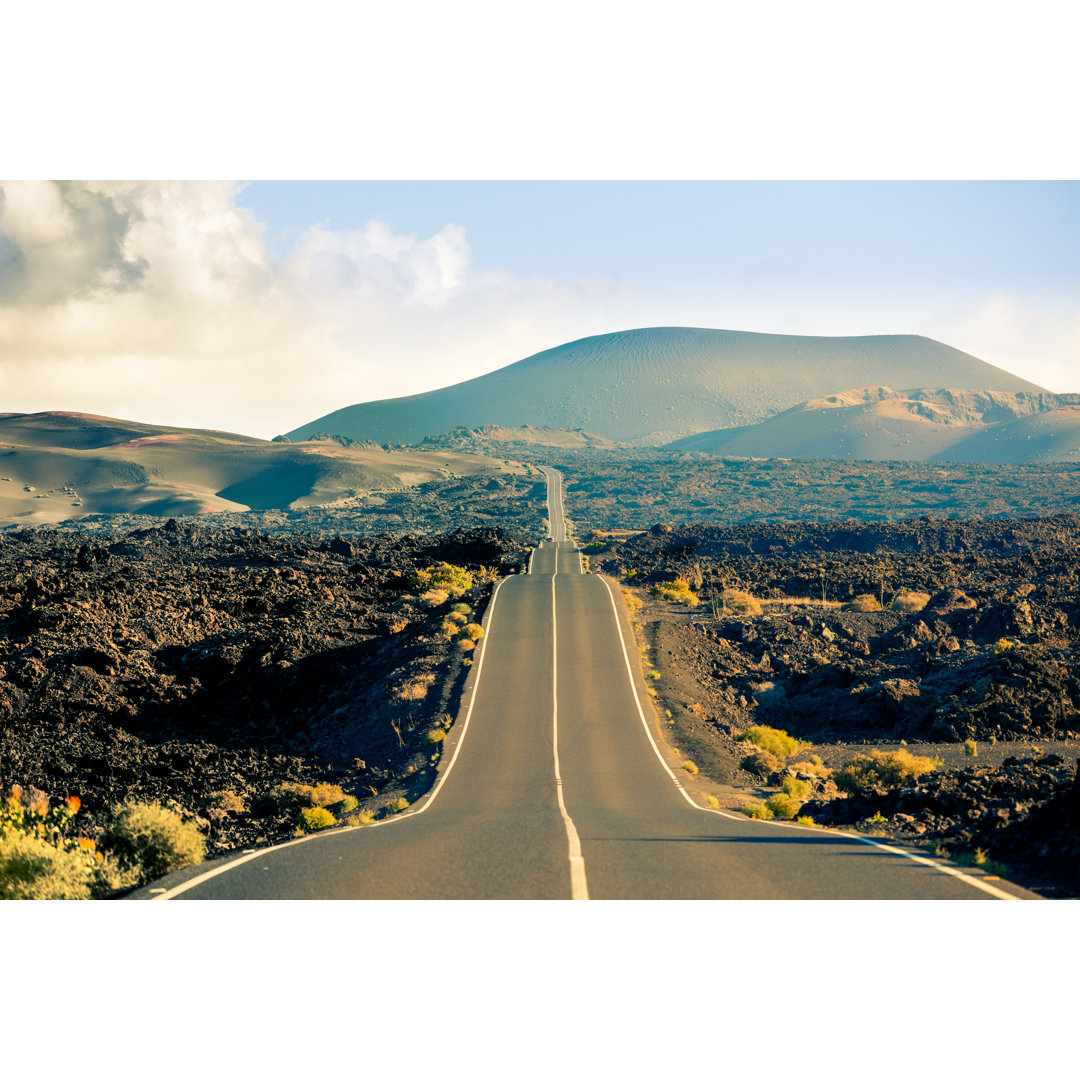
(737, 602)
(773, 740)
(882, 770)
(149, 840)
(863, 602)
(678, 591)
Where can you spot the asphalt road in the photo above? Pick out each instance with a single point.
(554, 785)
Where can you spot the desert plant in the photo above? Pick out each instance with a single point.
(805, 819)
(737, 602)
(971, 748)
(678, 591)
(690, 767)
(757, 811)
(147, 838)
(454, 580)
(783, 806)
(399, 804)
(881, 769)
(909, 602)
(460, 609)
(458, 618)
(31, 869)
(712, 800)
(863, 602)
(1002, 645)
(435, 736)
(415, 689)
(473, 631)
(813, 766)
(348, 804)
(798, 789)
(228, 801)
(775, 741)
(760, 763)
(466, 644)
(434, 598)
(313, 818)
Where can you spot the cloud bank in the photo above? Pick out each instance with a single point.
(159, 301)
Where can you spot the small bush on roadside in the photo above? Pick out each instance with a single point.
(971, 748)
(435, 736)
(313, 818)
(228, 801)
(348, 804)
(458, 618)
(360, 817)
(690, 767)
(737, 602)
(147, 838)
(434, 598)
(798, 789)
(805, 819)
(399, 804)
(466, 644)
(909, 602)
(460, 609)
(416, 689)
(472, 631)
(881, 769)
(813, 767)
(760, 763)
(757, 811)
(775, 741)
(454, 580)
(863, 602)
(712, 800)
(31, 869)
(783, 806)
(678, 590)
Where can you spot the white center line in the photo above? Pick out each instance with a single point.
(578, 888)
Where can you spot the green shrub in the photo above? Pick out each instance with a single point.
(690, 767)
(313, 818)
(435, 736)
(775, 741)
(757, 811)
(737, 602)
(678, 590)
(31, 869)
(805, 819)
(399, 804)
(798, 789)
(863, 602)
(909, 602)
(971, 748)
(813, 767)
(783, 806)
(760, 763)
(456, 618)
(472, 631)
(150, 841)
(445, 576)
(880, 769)
(348, 804)
(460, 609)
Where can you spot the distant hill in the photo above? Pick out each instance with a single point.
(654, 385)
(876, 423)
(56, 466)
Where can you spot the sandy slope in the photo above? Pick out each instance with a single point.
(55, 466)
(876, 423)
(653, 385)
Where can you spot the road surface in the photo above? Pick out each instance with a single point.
(554, 784)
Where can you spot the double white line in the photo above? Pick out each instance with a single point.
(579, 890)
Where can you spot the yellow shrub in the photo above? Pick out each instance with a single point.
(783, 806)
(313, 818)
(880, 769)
(737, 602)
(773, 740)
(863, 602)
(678, 591)
(910, 601)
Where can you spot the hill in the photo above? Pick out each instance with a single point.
(58, 466)
(876, 423)
(654, 385)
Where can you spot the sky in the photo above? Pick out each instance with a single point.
(257, 306)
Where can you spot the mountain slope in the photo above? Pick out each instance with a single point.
(876, 423)
(652, 385)
(56, 466)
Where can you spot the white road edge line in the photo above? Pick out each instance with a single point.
(922, 860)
(579, 890)
(427, 800)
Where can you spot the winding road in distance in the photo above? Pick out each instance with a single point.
(555, 785)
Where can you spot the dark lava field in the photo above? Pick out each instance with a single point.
(202, 667)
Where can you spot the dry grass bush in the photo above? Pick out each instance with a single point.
(228, 801)
(150, 840)
(460, 609)
(435, 736)
(690, 767)
(757, 811)
(399, 804)
(783, 806)
(434, 598)
(737, 602)
(775, 741)
(909, 602)
(678, 591)
(458, 618)
(415, 689)
(31, 869)
(798, 789)
(883, 770)
(863, 602)
(360, 817)
(454, 580)
(760, 763)
(473, 631)
(971, 748)
(813, 767)
(313, 818)
(466, 644)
